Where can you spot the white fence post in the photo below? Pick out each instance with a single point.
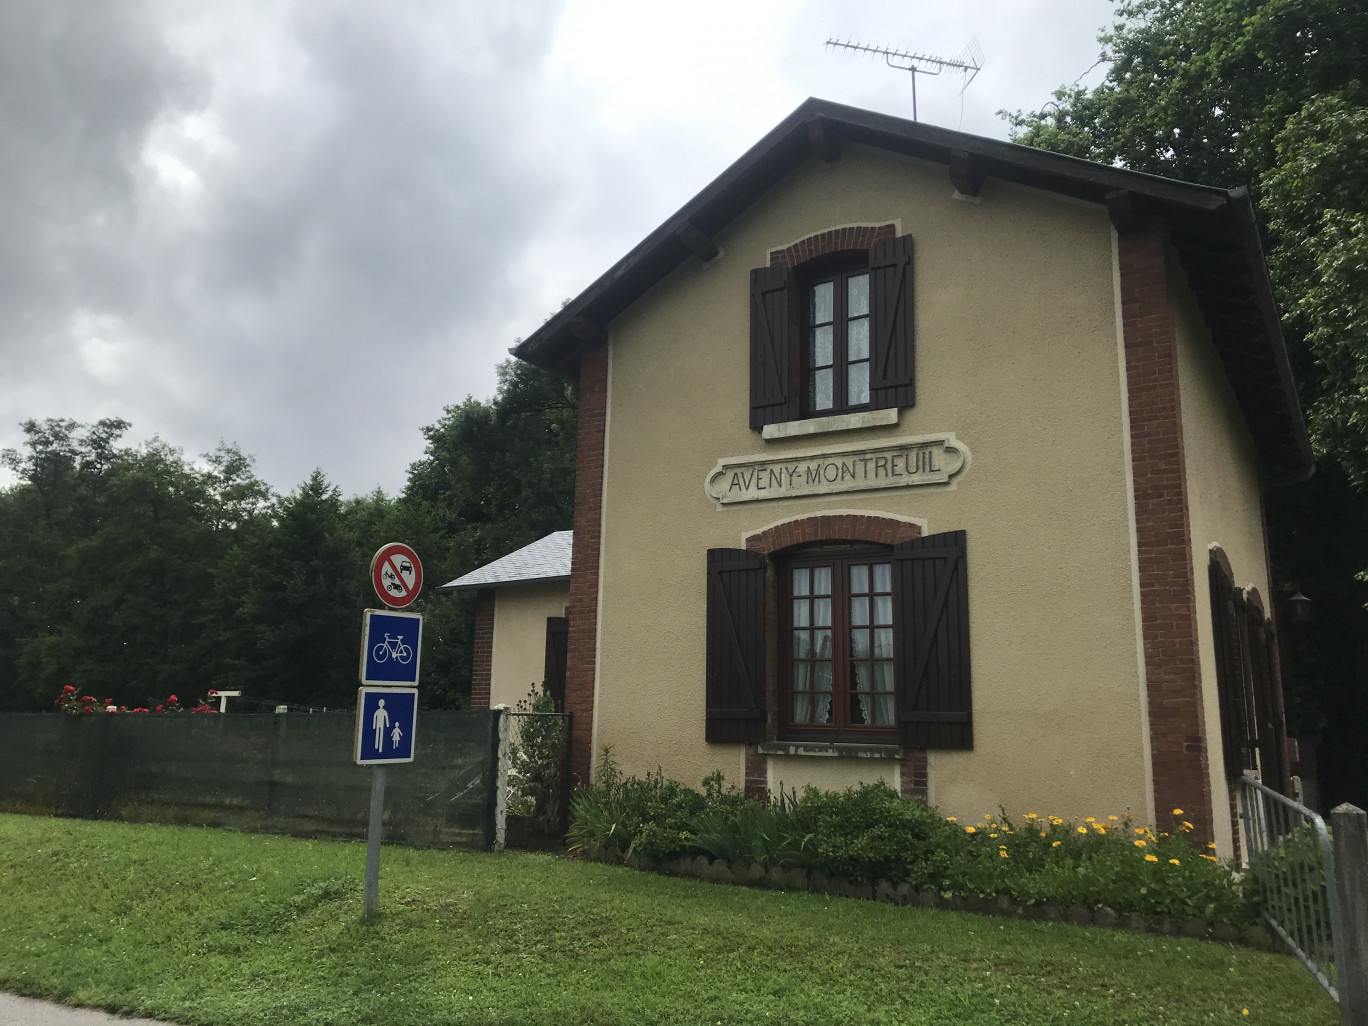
(1349, 828)
(501, 778)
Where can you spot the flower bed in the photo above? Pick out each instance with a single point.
(867, 838)
(85, 705)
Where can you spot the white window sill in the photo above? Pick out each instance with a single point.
(830, 751)
(827, 425)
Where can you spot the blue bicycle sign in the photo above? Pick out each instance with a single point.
(391, 647)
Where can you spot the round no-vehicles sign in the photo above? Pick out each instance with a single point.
(396, 574)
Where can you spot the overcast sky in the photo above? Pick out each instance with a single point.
(308, 227)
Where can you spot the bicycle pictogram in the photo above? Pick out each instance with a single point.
(392, 647)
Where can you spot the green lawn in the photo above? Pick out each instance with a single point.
(204, 926)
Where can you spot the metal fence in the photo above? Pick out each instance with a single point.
(535, 764)
(1291, 858)
(272, 773)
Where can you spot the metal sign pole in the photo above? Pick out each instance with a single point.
(377, 809)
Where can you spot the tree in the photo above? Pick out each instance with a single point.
(1272, 94)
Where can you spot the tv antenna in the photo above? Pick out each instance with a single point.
(968, 64)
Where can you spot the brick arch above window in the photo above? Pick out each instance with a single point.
(832, 527)
(833, 240)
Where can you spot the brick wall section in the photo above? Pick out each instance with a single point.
(837, 527)
(582, 640)
(855, 236)
(1168, 596)
(482, 653)
(913, 777)
(757, 781)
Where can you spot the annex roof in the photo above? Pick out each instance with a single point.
(1212, 229)
(546, 559)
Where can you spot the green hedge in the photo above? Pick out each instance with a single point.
(869, 833)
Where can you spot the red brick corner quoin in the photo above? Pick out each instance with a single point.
(1168, 594)
(482, 653)
(582, 641)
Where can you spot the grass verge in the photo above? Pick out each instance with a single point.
(204, 926)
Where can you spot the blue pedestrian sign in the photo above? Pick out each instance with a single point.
(390, 647)
(385, 722)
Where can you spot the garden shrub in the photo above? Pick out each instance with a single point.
(869, 833)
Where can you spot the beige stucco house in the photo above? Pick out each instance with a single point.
(910, 455)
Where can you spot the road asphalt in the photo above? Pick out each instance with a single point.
(22, 1011)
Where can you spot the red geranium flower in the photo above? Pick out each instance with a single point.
(173, 698)
(161, 708)
(212, 691)
(87, 699)
(67, 689)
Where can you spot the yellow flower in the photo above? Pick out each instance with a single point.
(1177, 812)
(1209, 858)
(992, 835)
(1211, 844)
(1185, 826)
(1151, 858)
(1056, 844)
(951, 819)
(968, 830)
(1244, 1011)
(1139, 830)
(1002, 852)
(1055, 821)
(1111, 818)
(1138, 844)
(1089, 820)
(1082, 830)
(1174, 862)
(1030, 815)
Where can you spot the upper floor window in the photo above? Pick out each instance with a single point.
(836, 350)
(833, 335)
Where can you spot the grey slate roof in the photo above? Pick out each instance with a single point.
(546, 559)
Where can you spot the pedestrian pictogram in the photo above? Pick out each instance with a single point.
(391, 643)
(385, 722)
(397, 574)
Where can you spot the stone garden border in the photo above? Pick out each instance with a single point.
(792, 878)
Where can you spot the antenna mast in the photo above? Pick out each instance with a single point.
(969, 64)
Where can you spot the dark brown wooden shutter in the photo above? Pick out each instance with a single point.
(769, 346)
(557, 644)
(931, 647)
(892, 370)
(1230, 673)
(1271, 733)
(736, 646)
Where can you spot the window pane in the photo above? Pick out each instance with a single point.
(801, 644)
(859, 710)
(821, 644)
(821, 347)
(800, 612)
(863, 676)
(820, 390)
(857, 384)
(800, 581)
(800, 676)
(857, 339)
(859, 611)
(823, 711)
(821, 580)
(883, 643)
(883, 710)
(883, 609)
(857, 295)
(883, 676)
(883, 576)
(859, 580)
(859, 644)
(821, 612)
(822, 307)
(821, 676)
(802, 709)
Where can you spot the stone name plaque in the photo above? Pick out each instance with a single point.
(924, 460)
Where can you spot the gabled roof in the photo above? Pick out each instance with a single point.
(546, 559)
(1213, 229)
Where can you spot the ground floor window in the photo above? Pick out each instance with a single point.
(839, 672)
